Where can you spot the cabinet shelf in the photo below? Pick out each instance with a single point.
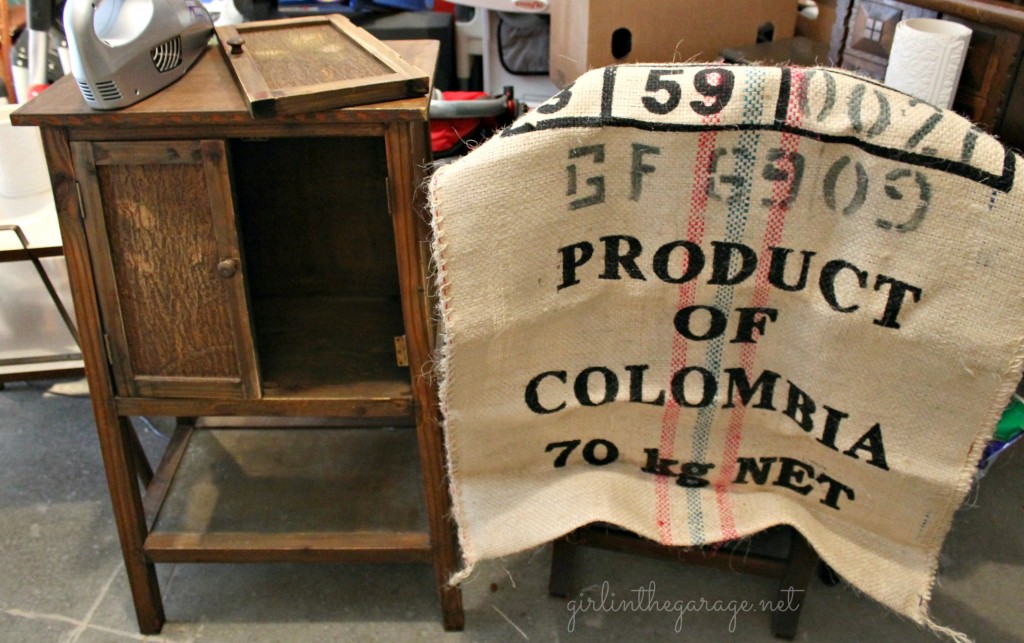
(231, 495)
(330, 347)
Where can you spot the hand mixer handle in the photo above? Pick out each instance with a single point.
(79, 15)
(79, 27)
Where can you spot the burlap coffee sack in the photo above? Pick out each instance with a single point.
(696, 302)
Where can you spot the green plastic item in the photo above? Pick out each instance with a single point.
(1012, 422)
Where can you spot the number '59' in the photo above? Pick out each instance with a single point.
(714, 84)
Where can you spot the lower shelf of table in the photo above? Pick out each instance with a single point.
(288, 495)
(341, 547)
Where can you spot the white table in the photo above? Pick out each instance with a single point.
(35, 342)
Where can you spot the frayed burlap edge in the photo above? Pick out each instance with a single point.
(442, 367)
(955, 499)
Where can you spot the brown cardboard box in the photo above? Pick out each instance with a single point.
(593, 33)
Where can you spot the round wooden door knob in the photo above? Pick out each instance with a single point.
(227, 268)
(236, 45)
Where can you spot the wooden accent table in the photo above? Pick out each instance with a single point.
(224, 267)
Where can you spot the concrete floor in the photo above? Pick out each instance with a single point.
(61, 576)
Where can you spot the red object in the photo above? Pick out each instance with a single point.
(447, 135)
(35, 90)
(441, 6)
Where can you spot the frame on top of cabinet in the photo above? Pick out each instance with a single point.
(308, 64)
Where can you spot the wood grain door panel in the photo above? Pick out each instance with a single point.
(161, 226)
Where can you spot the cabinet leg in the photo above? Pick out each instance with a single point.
(408, 153)
(442, 526)
(452, 616)
(445, 546)
(149, 607)
(113, 431)
(131, 527)
(442, 537)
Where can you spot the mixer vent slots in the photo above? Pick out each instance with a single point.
(108, 90)
(167, 55)
(86, 91)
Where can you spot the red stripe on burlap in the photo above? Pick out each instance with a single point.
(687, 293)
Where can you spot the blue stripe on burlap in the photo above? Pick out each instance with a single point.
(738, 187)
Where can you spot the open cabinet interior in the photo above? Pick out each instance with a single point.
(319, 256)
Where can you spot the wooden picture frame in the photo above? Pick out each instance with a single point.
(315, 63)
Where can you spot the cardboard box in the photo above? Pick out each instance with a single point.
(586, 34)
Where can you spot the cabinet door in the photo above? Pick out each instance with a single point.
(160, 223)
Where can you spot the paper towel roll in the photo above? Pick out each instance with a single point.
(926, 59)
(22, 164)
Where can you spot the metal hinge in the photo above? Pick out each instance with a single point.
(110, 352)
(401, 351)
(81, 201)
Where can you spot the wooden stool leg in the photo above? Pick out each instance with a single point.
(563, 563)
(803, 561)
(827, 575)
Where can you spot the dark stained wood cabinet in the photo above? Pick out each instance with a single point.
(262, 274)
(862, 39)
(993, 60)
